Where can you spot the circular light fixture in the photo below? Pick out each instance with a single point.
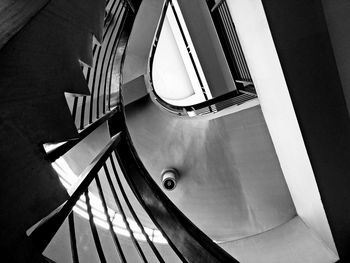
(169, 178)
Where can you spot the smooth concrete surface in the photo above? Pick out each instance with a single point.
(134, 90)
(277, 107)
(231, 184)
(292, 242)
(59, 248)
(338, 23)
(141, 37)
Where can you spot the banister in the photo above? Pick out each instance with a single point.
(46, 229)
(188, 241)
(66, 146)
(204, 107)
(104, 67)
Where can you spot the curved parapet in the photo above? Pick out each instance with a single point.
(227, 167)
(178, 83)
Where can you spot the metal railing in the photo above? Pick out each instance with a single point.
(187, 241)
(90, 111)
(229, 41)
(210, 106)
(233, 98)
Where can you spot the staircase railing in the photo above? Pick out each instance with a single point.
(214, 105)
(90, 111)
(230, 41)
(187, 241)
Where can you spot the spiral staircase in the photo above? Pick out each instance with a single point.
(61, 88)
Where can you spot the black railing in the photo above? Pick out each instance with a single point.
(168, 3)
(229, 41)
(187, 241)
(233, 98)
(214, 105)
(98, 102)
(89, 112)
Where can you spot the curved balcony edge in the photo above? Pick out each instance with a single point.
(209, 106)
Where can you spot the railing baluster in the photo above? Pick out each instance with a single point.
(82, 116)
(109, 68)
(73, 240)
(227, 11)
(48, 226)
(132, 211)
(93, 85)
(226, 15)
(117, 58)
(86, 123)
(100, 63)
(104, 204)
(104, 58)
(230, 31)
(74, 110)
(121, 210)
(226, 43)
(231, 38)
(94, 229)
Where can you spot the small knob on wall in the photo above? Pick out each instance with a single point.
(169, 178)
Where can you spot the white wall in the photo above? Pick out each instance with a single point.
(263, 62)
(170, 78)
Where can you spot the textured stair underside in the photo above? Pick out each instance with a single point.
(37, 66)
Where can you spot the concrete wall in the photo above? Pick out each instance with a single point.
(277, 107)
(134, 90)
(227, 167)
(307, 58)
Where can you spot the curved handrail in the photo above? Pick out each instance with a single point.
(213, 105)
(96, 77)
(46, 229)
(187, 240)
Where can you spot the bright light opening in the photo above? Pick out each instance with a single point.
(68, 178)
